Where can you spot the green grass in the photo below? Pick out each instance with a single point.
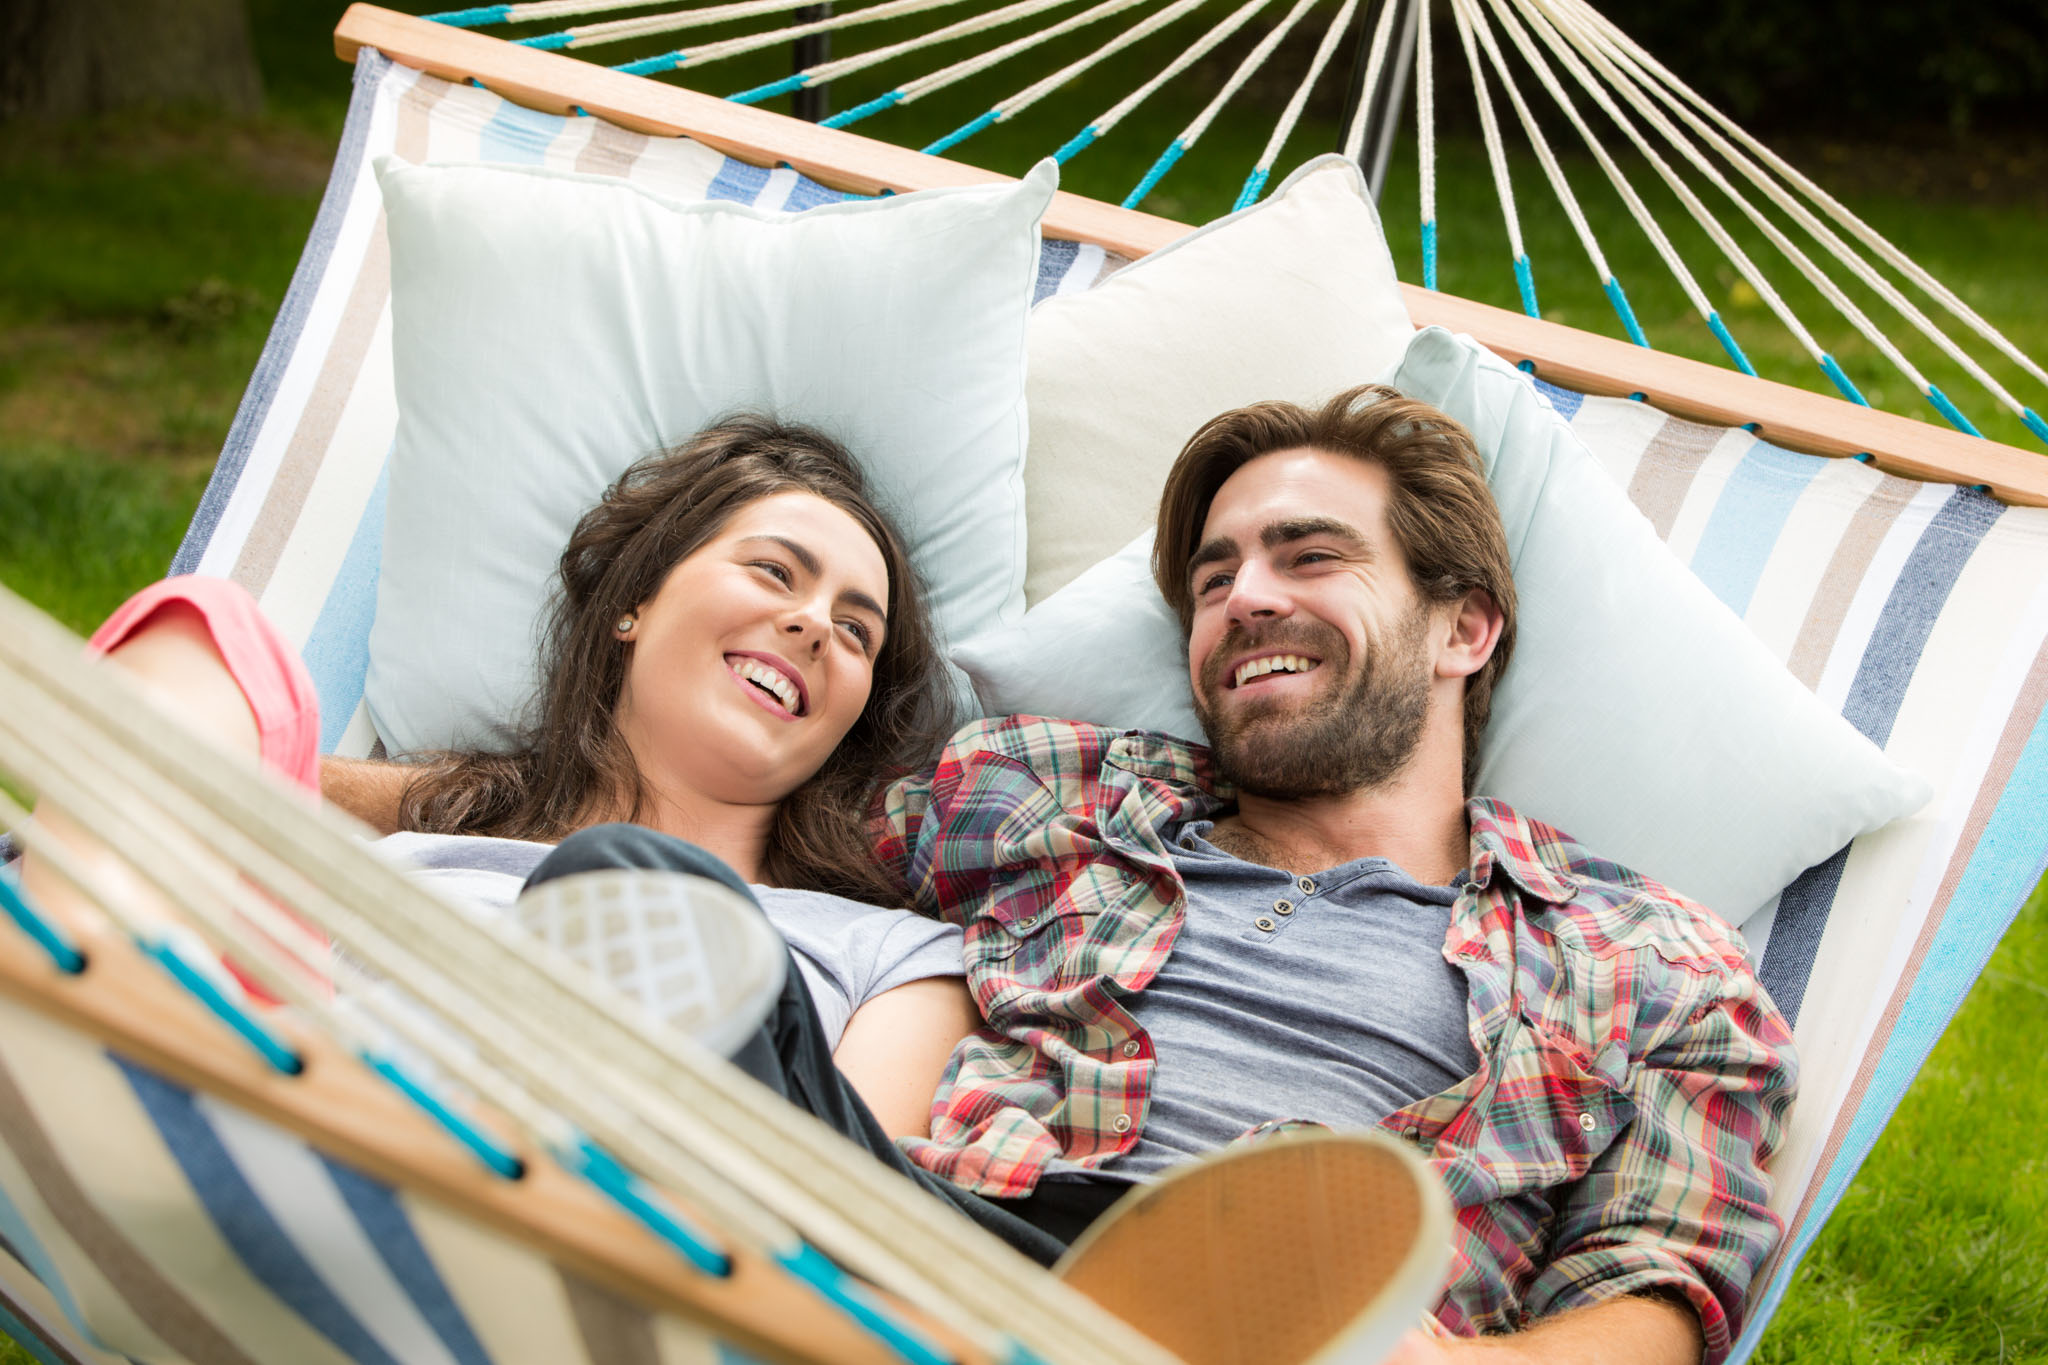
(145, 259)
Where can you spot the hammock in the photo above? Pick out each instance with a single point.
(154, 1209)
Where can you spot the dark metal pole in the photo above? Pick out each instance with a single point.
(813, 104)
(1383, 116)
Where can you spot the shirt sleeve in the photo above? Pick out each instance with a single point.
(1680, 1199)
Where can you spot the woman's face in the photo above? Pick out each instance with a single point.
(757, 653)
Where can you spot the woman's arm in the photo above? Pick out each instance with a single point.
(896, 1046)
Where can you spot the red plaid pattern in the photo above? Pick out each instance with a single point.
(1634, 1077)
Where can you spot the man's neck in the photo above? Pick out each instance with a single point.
(1417, 824)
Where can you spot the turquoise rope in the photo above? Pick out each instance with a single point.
(1727, 340)
(2034, 423)
(861, 111)
(1429, 254)
(489, 1150)
(52, 939)
(962, 133)
(768, 91)
(1254, 186)
(548, 42)
(273, 1048)
(810, 1265)
(626, 1190)
(1619, 299)
(1950, 411)
(1525, 280)
(1077, 144)
(648, 66)
(1849, 390)
(1173, 153)
(472, 18)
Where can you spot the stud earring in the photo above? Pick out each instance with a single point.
(626, 624)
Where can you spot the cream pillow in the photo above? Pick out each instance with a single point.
(548, 329)
(1293, 298)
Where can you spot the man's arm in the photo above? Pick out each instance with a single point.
(1633, 1330)
(366, 789)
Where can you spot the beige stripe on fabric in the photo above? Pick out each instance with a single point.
(685, 1343)
(1664, 475)
(2012, 742)
(300, 466)
(615, 1332)
(415, 108)
(612, 150)
(97, 1301)
(148, 1292)
(514, 1301)
(1844, 575)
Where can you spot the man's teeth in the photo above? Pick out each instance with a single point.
(1272, 663)
(754, 671)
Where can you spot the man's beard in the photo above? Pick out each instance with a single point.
(1352, 738)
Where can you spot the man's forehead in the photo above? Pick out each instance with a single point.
(1299, 485)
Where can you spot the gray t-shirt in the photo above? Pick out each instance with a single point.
(1342, 1012)
(848, 952)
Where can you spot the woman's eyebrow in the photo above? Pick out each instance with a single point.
(853, 597)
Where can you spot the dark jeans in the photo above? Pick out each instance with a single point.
(789, 1055)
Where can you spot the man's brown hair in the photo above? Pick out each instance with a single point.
(1441, 512)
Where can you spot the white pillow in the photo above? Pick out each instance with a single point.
(1639, 714)
(549, 329)
(1294, 298)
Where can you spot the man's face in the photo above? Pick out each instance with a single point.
(1310, 652)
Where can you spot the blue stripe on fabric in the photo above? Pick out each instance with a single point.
(337, 653)
(290, 323)
(809, 194)
(26, 1248)
(737, 182)
(2007, 864)
(517, 136)
(266, 1251)
(1748, 519)
(384, 1222)
(26, 1339)
(1872, 706)
(1056, 257)
(1566, 401)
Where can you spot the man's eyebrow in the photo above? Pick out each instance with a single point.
(1304, 528)
(1212, 550)
(853, 597)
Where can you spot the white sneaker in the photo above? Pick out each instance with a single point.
(1314, 1246)
(697, 954)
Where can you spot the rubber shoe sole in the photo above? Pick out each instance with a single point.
(697, 954)
(1307, 1247)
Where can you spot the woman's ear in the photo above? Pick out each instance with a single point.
(1476, 623)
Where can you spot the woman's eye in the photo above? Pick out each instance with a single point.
(773, 570)
(859, 631)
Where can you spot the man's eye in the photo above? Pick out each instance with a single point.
(1313, 556)
(1211, 583)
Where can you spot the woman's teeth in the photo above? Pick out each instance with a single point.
(1272, 663)
(769, 680)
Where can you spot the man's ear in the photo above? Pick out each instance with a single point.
(1476, 623)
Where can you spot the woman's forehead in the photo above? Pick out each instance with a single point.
(840, 543)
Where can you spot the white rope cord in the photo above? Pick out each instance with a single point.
(1838, 248)
(1590, 45)
(1037, 91)
(973, 66)
(980, 23)
(767, 1149)
(1375, 66)
(1425, 141)
(1291, 115)
(1246, 69)
(536, 10)
(1544, 155)
(1194, 53)
(1496, 155)
(1868, 235)
(620, 29)
(1647, 221)
(1540, 20)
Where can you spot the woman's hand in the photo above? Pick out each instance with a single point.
(896, 1046)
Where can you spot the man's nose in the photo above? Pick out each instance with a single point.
(1256, 593)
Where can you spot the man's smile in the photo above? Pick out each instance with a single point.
(1274, 665)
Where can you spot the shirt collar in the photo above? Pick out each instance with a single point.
(1503, 839)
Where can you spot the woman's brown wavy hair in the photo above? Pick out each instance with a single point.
(571, 761)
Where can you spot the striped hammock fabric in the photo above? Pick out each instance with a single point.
(139, 1221)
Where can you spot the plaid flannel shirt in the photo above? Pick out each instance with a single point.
(1633, 1078)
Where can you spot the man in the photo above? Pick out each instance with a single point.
(1176, 947)
(1312, 921)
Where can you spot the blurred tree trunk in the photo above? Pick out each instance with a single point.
(64, 58)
